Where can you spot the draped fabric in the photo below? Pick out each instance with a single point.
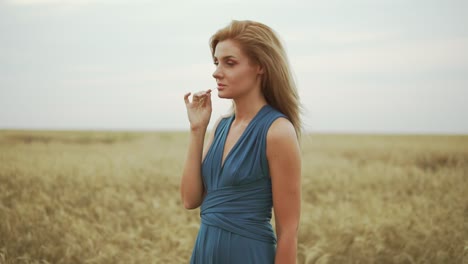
(236, 211)
(244, 210)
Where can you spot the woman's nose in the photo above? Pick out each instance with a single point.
(217, 74)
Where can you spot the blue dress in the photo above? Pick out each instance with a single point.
(236, 211)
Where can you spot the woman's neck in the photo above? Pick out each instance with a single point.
(247, 108)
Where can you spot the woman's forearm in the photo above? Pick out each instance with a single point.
(286, 248)
(191, 186)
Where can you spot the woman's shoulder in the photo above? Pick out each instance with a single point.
(280, 128)
(281, 138)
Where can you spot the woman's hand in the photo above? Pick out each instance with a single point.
(199, 110)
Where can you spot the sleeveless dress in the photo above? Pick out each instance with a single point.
(236, 211)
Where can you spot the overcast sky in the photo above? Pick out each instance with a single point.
(389, 66)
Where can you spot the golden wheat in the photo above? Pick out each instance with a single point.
(113, 197)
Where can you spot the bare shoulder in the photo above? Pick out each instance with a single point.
(281, 130)
(281, 139)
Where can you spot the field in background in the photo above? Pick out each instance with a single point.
(113, 197)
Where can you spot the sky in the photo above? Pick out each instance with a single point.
(361, 66)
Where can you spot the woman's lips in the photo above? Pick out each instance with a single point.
(220, 87)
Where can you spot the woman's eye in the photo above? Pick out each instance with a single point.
(228, 63)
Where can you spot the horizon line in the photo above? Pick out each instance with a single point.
(180, 130)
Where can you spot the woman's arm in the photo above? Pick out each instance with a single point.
(284, 159)
(191, 185)
(199, 114)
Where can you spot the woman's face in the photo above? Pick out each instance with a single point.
(234, 75)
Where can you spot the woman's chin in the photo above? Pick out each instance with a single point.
(223, 95)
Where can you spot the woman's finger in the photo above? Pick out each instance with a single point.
(201, 101)
(196, 96)
(200, 98)
(202, 93)
(208, 99)
(186, 98)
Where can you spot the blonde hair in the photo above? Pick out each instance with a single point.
(262, 46)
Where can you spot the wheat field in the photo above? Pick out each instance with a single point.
(113, 197)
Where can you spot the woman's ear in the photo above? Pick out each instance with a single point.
(259, 69)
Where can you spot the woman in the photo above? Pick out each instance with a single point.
(252, 160)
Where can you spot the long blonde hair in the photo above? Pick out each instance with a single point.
(262, 46)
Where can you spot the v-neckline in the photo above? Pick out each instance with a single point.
(223, 162)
